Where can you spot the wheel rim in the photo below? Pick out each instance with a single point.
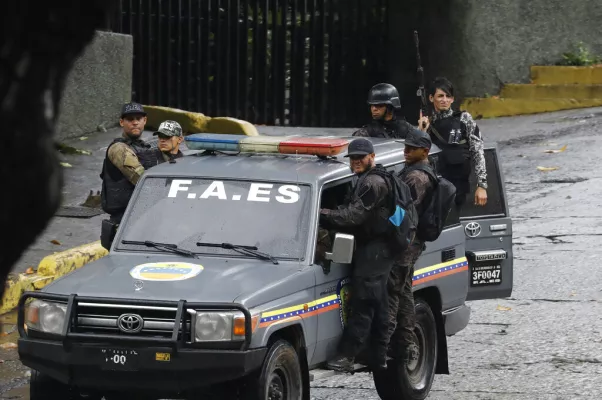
(278, 386)
(417, 372)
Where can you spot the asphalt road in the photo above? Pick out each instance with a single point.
(545, 342)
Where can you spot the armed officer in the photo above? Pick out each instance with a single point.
(383, 99)
(365, 214)
(122, 168)
(459, 138)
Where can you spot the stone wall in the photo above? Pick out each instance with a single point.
(481, 44)
(97, 86)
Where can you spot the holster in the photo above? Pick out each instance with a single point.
(107, 233)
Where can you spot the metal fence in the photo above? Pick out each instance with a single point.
(273, 62)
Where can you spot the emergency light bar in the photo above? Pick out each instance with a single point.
(318, 146)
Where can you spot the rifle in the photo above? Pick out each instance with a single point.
(421, 91)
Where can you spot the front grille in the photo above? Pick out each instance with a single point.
(158, 322)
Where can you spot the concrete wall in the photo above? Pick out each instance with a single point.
(481, 44)
(98, 85)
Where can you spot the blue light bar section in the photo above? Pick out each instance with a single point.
(213, 141)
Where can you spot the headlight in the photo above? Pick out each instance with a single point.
(221, 326)
(46, 316)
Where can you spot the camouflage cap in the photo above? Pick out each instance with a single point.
(169, 128)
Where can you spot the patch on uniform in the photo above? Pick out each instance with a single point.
(165, 271)
(343, 293)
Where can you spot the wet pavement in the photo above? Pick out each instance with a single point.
(545, 342)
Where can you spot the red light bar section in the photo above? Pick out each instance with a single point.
(314, 146)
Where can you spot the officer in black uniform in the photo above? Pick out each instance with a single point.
(365, 215)
(384, 102)
(459, 138)
(122, 168)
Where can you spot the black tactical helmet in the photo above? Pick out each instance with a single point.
(384, 93)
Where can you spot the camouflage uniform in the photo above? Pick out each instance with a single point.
(401, 299)
(125, 159)
(324, 243)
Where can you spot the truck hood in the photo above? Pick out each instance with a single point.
(206, 279)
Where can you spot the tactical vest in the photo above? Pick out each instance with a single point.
(450, 135)
(395, 128)
(116, 189)
(155, 157)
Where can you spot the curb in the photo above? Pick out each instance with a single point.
(555, 75)
(192, 122)
(506, 107)
(50, 268)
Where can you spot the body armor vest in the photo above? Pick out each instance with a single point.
(450, 135)
(395, 129)
(116, 189)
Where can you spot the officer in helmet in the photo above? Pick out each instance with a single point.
(383, 99)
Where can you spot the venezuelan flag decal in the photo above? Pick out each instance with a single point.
(307, 310)
(437, 271)
(165, 271)
(339, 301)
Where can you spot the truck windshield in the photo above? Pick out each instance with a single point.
(271, 216)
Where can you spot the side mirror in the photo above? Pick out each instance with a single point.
(342, 249)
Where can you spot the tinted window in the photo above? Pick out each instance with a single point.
(495, 197)
(271, 216)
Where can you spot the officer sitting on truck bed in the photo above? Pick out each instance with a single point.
(366, 215)
(459, 138)
(383, 99)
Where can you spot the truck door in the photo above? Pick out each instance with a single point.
(332, 285)
(488, 232)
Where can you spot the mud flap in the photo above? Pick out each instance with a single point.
(442, 362)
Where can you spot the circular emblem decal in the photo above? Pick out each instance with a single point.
(165, 271)
(130, 323)
(472, 229)
(343, 292)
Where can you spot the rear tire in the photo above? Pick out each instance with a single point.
(414, 381)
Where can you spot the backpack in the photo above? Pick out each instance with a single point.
(436, 210)
(402, 223)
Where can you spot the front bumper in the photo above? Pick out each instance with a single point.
(84, 365)
(114, 362)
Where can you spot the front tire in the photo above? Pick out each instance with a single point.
(414, 380)
(280, 377)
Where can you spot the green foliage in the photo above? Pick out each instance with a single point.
(582, 57)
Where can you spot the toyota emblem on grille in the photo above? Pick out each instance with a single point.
(130, 323)
(472, 229)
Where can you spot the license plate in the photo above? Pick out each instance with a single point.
(119, 359)
(485, 275)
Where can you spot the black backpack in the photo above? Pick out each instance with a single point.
(436, 210)
(403, 221)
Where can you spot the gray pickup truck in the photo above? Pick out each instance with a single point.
(210, 286)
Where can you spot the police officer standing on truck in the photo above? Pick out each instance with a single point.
(366, 216)
(122, 168)
(403, 342)
(170, 137)
(459, 138)
(383, 99)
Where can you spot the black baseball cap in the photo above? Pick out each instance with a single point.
(132, 108)
(360, 147)
(418, 138)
